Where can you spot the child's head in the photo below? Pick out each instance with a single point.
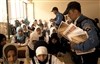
(19, 31)
(41, 53)
(35, 22)
(40, 21)
(53, 30)
(38, 30)
(2, 39)
(33, 37)
(23, 26)
(54, 38)
(10, 53)
(41, 50)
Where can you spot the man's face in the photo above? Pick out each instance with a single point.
(72, 14)
(54, 11)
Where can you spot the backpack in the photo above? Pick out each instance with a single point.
(63, 18)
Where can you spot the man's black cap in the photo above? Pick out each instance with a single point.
(54, 8)
(72, 5)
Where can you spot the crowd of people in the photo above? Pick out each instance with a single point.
(43, 44)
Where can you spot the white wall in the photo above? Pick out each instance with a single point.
(42, 8)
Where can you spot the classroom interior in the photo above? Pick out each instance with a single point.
(11, 10)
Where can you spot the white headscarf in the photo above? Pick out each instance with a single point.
(5, 61)
(41, 50)
(23, 28)
(30, 25)
(49, 25)
(33, 36)
(36, 30)
(51, 30)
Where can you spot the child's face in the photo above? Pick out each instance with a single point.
(20, 32)
(35, 22)
(24, 27)
(54, 40)
(39, 31)
(42, 57)
(11, 56)
(3, 42)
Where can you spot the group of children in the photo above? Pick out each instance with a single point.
(41, 40)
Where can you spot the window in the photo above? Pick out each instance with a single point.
(17, 10)
(3, 12)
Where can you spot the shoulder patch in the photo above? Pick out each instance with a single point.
(87, 27)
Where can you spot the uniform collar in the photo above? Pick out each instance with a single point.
(76, 20)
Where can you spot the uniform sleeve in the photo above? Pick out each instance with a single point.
(92, 41)
(55, 60)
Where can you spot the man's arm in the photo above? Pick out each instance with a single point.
(58, 19)
(92, 41)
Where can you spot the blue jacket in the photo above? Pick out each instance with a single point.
(93, 40)
(59, 18)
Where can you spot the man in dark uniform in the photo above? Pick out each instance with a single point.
(74, 12)
(59, 16)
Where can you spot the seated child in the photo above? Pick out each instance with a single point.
(25, 30)
(40, 22)
(31, 26)
(55, 47)
(53, 30)
(2, 43)
(30, 47)
(20, 39)
(39, 32)
(10, 54)
(42, 56)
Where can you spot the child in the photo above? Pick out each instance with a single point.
(20, 39)
(45, 24)
(53, 30)
(35, 23)
(40, 22)
(42, 56)
(55, 47)
(31, 27)
(2, 43)
(39, 32)
(30, 47)
(10, 54)
(25, 30)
